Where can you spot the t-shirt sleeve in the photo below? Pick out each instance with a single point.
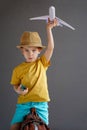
(14, 79)
(44, 61)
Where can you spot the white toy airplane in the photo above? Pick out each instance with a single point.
(52, 16)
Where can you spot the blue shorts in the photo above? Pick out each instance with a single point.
(23, 109)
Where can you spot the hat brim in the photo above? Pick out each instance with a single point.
(21, 46)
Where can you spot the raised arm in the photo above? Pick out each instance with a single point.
(50, 47)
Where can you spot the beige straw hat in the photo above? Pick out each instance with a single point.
(30, 39)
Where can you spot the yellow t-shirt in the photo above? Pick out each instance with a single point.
(33, 76)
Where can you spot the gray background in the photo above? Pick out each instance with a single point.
(67, 76)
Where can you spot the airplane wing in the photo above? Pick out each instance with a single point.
(40, 18)
(61, 22)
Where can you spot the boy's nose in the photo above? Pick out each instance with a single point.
(30, 53)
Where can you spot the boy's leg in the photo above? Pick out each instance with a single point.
(15, 126)
(21, 111)
(42, 110)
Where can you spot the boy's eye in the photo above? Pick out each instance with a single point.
(33, 50)
(26, 50)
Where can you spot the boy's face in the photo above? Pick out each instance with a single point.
(30, 53)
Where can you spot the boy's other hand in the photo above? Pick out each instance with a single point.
(21, 91)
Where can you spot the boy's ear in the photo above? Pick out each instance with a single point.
(39, 49)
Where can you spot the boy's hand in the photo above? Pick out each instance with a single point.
(52, 24)
(21, 91)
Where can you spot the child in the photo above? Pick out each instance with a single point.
(29, 78)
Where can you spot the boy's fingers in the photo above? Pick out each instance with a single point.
(26, 90)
